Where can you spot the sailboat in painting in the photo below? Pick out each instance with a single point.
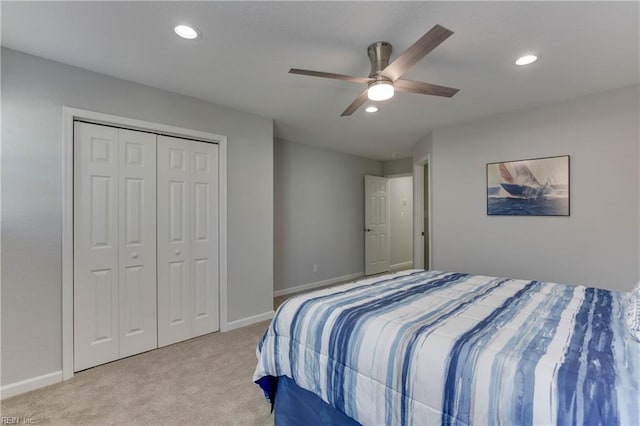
(520, 182)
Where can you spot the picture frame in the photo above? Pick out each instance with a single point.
(530, 187)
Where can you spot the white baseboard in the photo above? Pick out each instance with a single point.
(408, 264)
(249, 320)
(316, 284)
(33, 383)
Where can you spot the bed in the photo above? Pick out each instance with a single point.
(431, 347)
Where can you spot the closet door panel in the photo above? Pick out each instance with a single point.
(95, 239)
(174, 274)
(204, 237)
(137, 236)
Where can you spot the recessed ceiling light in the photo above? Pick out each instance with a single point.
(371, 109)
(526, 60)
(187, 32)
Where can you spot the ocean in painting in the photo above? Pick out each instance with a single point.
(528, 207)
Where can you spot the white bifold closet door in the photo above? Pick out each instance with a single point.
(187, 239)
(114, 244)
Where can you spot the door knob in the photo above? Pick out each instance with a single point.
(367, 230)
(177, 252)
(134, 255)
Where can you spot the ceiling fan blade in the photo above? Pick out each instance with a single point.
(343, 77)
(411, 86)
(416, 51)
(357, 103)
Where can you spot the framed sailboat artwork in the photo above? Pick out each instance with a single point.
(534, 187)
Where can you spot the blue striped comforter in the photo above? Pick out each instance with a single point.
(429, 347)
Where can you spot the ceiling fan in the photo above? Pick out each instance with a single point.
(384, 77)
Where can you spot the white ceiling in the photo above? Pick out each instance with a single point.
(246, 49)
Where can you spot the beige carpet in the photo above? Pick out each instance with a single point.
(204, 381)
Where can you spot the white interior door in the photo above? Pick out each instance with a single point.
(138, 282)
(187, 239)
(174, 291)
(376, 213)
(114, 244)
(204, 237)
(137, 247)
(95, 245)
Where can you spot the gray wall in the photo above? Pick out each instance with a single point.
(33, 93)
(397, 167)
(597, 245)
(423, 148)
(401, 215)
(319, 213)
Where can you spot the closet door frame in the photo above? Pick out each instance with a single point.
(69, 115)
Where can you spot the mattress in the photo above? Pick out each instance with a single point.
(431, 347)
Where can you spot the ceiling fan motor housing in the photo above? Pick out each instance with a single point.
(379, 54)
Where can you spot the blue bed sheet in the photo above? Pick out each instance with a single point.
(295, 406)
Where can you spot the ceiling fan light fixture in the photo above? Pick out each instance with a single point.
(526, 60)
(371, 109)
(380, 90)
(187, 32)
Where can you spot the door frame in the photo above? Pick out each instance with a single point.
(69, 115)
(418, 211)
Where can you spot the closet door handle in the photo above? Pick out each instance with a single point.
(178, 252)
(134, 255)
